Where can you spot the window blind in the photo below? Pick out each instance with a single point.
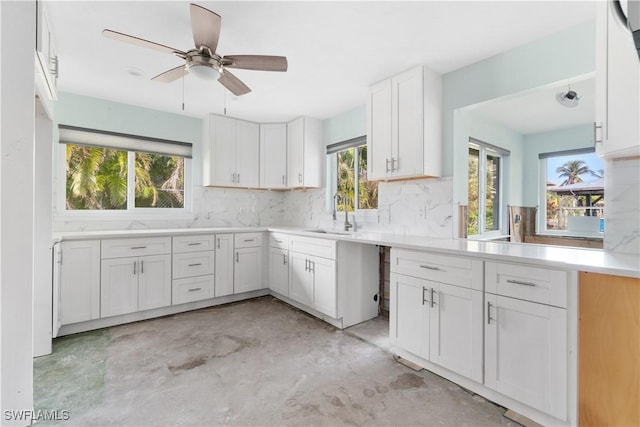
(349, 143)
(121, 141)
(566, 152)
(490, 147)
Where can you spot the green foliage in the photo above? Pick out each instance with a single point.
(346, 180)
(572, 170)
(97, 179)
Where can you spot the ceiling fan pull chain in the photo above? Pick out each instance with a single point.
(183, 70)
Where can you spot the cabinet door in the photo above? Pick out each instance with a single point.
(300, 284)
(279, 271)
(379, 130)
(79, 293)
(617, 86)
(409, 306)
(273, 155)
(154, 282)
(224, 265)
(407, 123)
(247, 270)
(222, 155)
(247, 154)
(526, 353)
(325, 289)
(119, 286)
(455, 336)
(295, 153)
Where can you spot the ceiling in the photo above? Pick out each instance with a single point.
(538, 110)
(335, 49)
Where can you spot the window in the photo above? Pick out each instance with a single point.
(571, 193)
(484, 211)
(115, 172)
(349, 170)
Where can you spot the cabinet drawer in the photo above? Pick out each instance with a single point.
(458, 271)
(118, 248)
(248, 240)
(192, 264)
(528, 283)
(191, 289)
(193, 243)
(325, 248)
(279, 240)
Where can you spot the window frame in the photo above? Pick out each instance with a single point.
(131, 212)
(365, 215)
(541, 217)
(503, 155)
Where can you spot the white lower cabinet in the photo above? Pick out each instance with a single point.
(247, 269)
(300, 284)
(78, 282)
(526, 342)
(279, 271)
(192, 268)
(224, 265)
(134, 283)
(313, 282)
(436, 321)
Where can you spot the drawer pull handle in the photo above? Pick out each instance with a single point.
(138, 247)
(195, 244)
(428, 267)
(518, 282)
(194, 265)
(249, 240)
(195, 289)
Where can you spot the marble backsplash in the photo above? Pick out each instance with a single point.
(622, 206)
(212, 207)
(418, 207)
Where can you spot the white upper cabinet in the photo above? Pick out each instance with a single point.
(617, 126)
(305, 153)
(273, 155)
(404, 122)
(230, 152)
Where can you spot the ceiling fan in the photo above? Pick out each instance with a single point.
(203, 60)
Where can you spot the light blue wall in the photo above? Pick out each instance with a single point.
(470, 125)
(548, 142)
(348, 125)
(551, 59)
(94, 113)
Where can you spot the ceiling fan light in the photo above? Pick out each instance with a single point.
(204, 72)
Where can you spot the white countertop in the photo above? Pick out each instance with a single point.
(590, 260)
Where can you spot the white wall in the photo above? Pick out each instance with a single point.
(17, 41)
(212, 207)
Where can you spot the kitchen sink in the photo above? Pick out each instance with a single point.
(323, 231)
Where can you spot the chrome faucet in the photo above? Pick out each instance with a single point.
(335, 196)
(347, 224)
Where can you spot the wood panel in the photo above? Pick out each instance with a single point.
(609, 364)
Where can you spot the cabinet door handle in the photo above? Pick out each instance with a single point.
(233, 177)
(218, 242)
(387, 168)
(195, 289)
(299, 177)
(134, 267)
(141, 267)
(237, 257)
(518, 282)
(393, 164)
(284, 258)
(423, 298)
(489, 318)
(597, 133)
(433, 302)
(428, 267)
(138, 247)
(311, 265)
(194, 265)
(283, 179)
(238, 181)
(306, 265)
(195, 244)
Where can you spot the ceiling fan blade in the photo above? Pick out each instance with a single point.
(205, 25)
(256, 62)
(172, 74)
(233, 83)
(141, 42)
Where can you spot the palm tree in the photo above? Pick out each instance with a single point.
(346, 178)
(571, 171)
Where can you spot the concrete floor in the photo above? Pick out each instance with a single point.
(256, 362)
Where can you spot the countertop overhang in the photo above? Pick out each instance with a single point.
(579, 259)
